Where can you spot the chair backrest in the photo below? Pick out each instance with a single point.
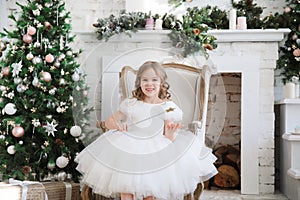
(188, 88)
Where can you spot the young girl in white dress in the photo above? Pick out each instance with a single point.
(146, 154)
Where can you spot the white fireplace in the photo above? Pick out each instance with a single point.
(253, 53)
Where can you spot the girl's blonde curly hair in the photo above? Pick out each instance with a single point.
(160, 71)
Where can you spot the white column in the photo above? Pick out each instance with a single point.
(3, 15)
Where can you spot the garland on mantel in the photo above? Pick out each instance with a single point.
(190, 33)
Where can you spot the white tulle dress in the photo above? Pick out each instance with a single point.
(143, 161)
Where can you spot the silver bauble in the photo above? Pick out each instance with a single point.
(61, 176)
(17, 80)
(51, 165)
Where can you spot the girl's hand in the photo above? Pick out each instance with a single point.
(170, 129)
(121, 126)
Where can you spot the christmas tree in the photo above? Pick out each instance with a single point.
(289, 60)
(43, 96)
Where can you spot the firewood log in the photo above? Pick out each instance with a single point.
(227, 177)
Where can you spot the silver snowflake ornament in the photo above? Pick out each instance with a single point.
(50, 128)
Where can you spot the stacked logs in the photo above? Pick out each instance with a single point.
(229, 168)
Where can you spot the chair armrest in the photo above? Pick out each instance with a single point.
(101, 125)
(194, 126)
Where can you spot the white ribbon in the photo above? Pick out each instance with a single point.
(24, 185)
(68, 190)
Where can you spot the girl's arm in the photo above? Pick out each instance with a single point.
(116, 121)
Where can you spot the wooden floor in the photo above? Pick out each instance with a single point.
(235, 195)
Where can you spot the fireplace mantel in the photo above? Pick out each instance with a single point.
(253, 53)
(249, 35)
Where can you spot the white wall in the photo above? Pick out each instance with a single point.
(85, 12)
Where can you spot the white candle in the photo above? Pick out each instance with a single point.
(158, 24)
(232, 19)
(289, 90)
(241, 23)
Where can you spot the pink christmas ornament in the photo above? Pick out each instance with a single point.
(296, 52)
(46, 76)
(27, 38)
(6, 71)
(49, 58)
(31, 30)
(18, 131)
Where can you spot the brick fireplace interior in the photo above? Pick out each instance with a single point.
(224, 128)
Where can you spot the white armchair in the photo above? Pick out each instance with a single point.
(189, 88)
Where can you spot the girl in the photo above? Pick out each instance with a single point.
(146, 154)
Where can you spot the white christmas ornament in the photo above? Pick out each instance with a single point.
(17, 80)
(35, 81)
(11, 149)
(75, 131)
(62, 161)
(20, 88)
(75, 77)
(2, 88)
(50, 128)
(36, 60)
(61, 176)
(29, 56)
(17, 67)
(10, 109)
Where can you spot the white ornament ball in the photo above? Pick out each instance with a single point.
(2, 88)
(56, 64)
(11, 149)
(20, 88)
(10, 109)
(17, 80)
(62, 161)
(36, 60)
(29, 56)
(75, 77)
(61, 176)
(69, 53)
(75, 131)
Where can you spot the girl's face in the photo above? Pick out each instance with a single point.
(150, 83)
